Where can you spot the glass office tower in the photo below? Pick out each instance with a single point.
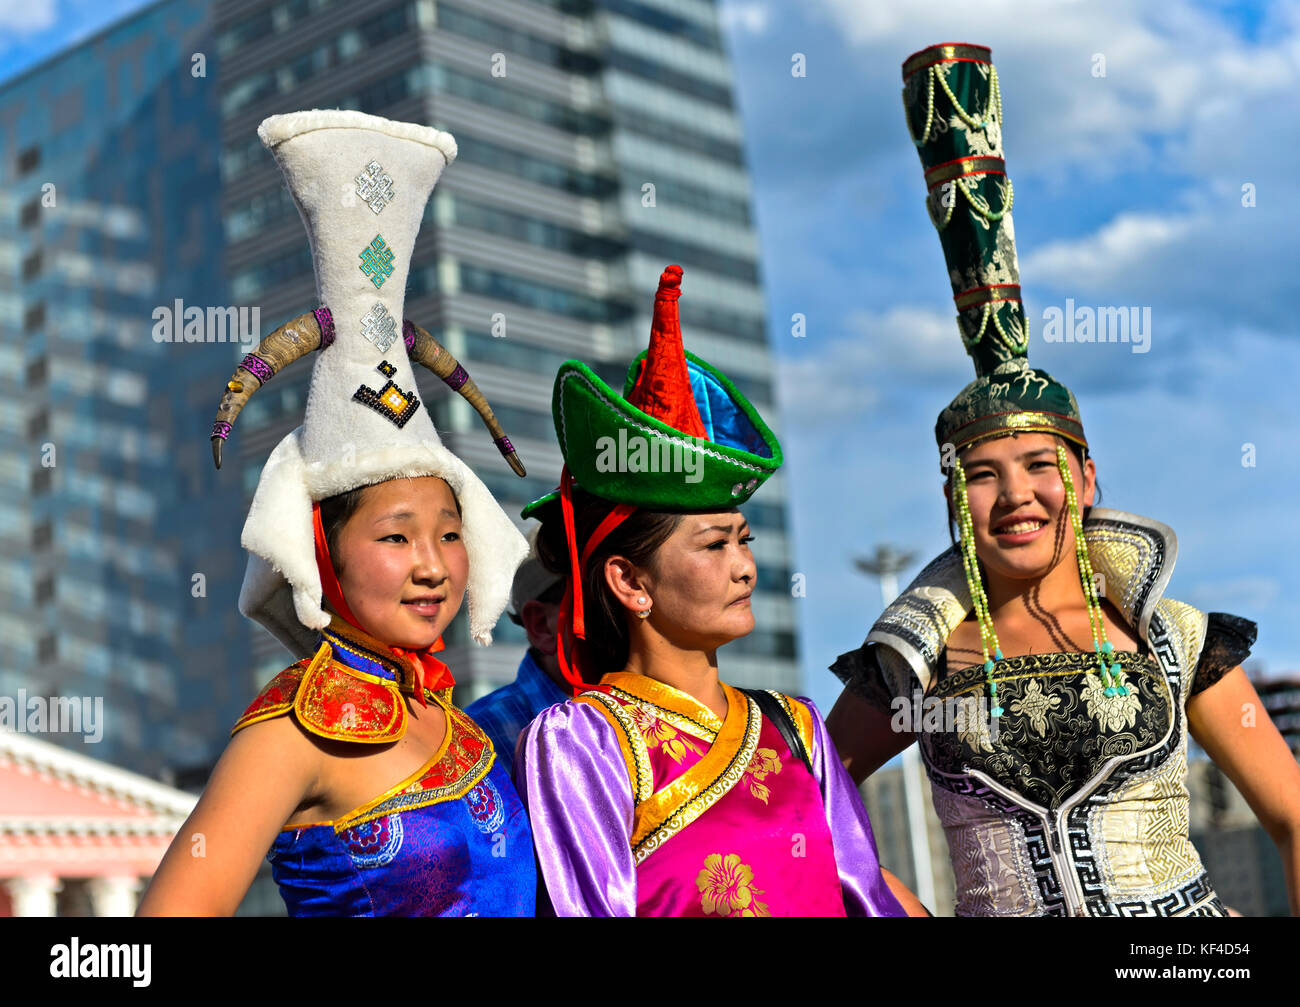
(107, 513)
(599, 141)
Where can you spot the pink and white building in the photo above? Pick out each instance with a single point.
(67, 820)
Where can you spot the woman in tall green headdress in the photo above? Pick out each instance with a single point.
(1069, 683)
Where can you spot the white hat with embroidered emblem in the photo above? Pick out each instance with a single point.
(361, 184)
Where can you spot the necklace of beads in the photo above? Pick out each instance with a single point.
(989, 646)
(995, 100)
(1112, 675)
(1111, 672)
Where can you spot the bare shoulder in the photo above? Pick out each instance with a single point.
(279, 748)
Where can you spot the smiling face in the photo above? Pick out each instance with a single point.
(401, 562)
(698, 583)
(1017, 503)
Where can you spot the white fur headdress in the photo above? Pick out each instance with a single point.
(361, 184)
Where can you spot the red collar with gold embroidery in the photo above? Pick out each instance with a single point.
(352, 690)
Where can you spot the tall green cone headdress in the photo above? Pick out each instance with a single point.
(680, 438)
(953, 104)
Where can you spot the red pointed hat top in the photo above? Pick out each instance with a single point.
(663, 388)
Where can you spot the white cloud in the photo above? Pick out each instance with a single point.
(27, 16)
(846, 377)
(751, 16)
(1131, 241)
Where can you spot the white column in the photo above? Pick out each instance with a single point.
(114, 895)
(33, 894)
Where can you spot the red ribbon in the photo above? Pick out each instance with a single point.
(431, 673)
(571, 609)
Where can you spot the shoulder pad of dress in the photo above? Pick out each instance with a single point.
(332, 701)
(1185, 626)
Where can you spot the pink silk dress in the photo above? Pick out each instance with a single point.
(644, 803)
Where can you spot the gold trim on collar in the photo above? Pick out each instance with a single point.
(679, 706)
(802, 717)
(630, 741)
(686, 798)
(368, 647)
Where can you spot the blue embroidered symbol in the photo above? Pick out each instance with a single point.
(486, 807)
(377, 325)
(375, 186)
(376, 842)
(377, 261)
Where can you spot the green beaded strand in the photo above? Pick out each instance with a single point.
(1111, 672)
(970, 562)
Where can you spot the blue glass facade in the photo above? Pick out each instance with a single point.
(105, 512)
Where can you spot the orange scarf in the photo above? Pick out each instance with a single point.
(431, 673)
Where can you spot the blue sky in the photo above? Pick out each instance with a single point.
(1128, 193)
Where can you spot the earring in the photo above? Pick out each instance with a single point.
(645, 612)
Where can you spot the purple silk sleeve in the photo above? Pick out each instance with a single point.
(865, 891)
(570, 774)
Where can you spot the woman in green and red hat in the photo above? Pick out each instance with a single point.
(1061, 781)
(661, 790)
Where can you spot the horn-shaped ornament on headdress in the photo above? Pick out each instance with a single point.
(315, 330)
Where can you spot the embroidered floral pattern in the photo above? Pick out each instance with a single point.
(657, 734)
(1112, 713)
(486, 808)
(1036, 704)
(727, 888)
(376, 842)
(764, 762)
(1049, 741)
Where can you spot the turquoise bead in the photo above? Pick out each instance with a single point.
(996, 711)
(997, 654)
(988, 667)
(1107, 647)
(1123, 690)
(1108, 691)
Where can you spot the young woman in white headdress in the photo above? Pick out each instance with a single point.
(373, 794)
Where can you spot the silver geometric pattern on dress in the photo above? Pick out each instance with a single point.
(378, 326)
(375, 186)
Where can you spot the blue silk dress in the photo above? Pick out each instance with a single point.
(451, 839)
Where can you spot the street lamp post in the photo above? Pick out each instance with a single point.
(886, 564)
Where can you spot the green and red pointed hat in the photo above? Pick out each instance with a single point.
(680, 438)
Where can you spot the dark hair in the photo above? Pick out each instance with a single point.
(337, 510)
(637, 539)
(1080, 454)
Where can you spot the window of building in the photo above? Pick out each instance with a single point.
(28, 160)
